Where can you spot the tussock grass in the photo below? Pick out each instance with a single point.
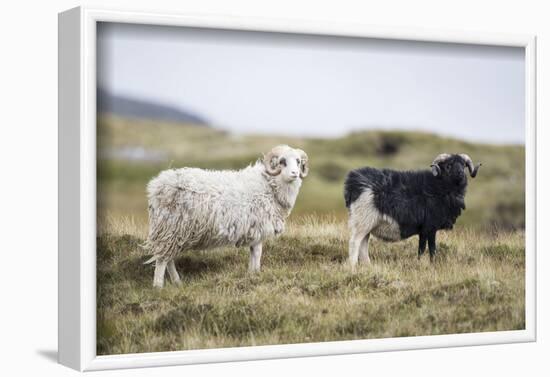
(306, 292)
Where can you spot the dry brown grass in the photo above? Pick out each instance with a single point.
(305, 292)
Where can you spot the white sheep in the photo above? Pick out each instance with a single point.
(196, 209)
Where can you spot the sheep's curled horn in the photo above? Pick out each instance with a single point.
(270, 163)
(467, 160)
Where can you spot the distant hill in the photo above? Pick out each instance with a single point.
(138, 108)
(133, 152)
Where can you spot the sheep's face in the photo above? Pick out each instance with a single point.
(451, 168)
(286, 163)
(290, 166)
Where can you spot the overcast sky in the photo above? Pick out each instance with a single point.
(251, 82)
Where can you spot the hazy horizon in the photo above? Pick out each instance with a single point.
(318, 86)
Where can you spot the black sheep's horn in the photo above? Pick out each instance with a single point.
(468, 161)
(436, 170)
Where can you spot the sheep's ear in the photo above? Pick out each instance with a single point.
(435, 170)
(304, 163)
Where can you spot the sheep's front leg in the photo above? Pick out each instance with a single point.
(421, 244)
(431, 246)
(255, 257)
(160, 270)
(173, 273)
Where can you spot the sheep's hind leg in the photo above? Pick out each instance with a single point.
(355, 242)
(364, 250)
(255, 257)
(431, 246)
(360, 225)
(173, 273)
(421, 244)
(160, 270)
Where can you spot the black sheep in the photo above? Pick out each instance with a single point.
(395, 205)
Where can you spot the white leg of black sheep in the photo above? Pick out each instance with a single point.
(364, 250)
(358, 247)
(363, 218)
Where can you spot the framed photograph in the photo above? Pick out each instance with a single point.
(238, 189)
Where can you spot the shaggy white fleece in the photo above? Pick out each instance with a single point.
(196, 209)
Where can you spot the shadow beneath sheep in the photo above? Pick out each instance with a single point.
(135, 270)
(194, 265)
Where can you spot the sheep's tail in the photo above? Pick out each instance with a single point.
(146, 246)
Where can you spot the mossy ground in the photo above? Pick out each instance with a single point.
(306, 292)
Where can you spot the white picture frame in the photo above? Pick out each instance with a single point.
(77, 190)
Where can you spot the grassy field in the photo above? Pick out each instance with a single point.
(305, 292)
